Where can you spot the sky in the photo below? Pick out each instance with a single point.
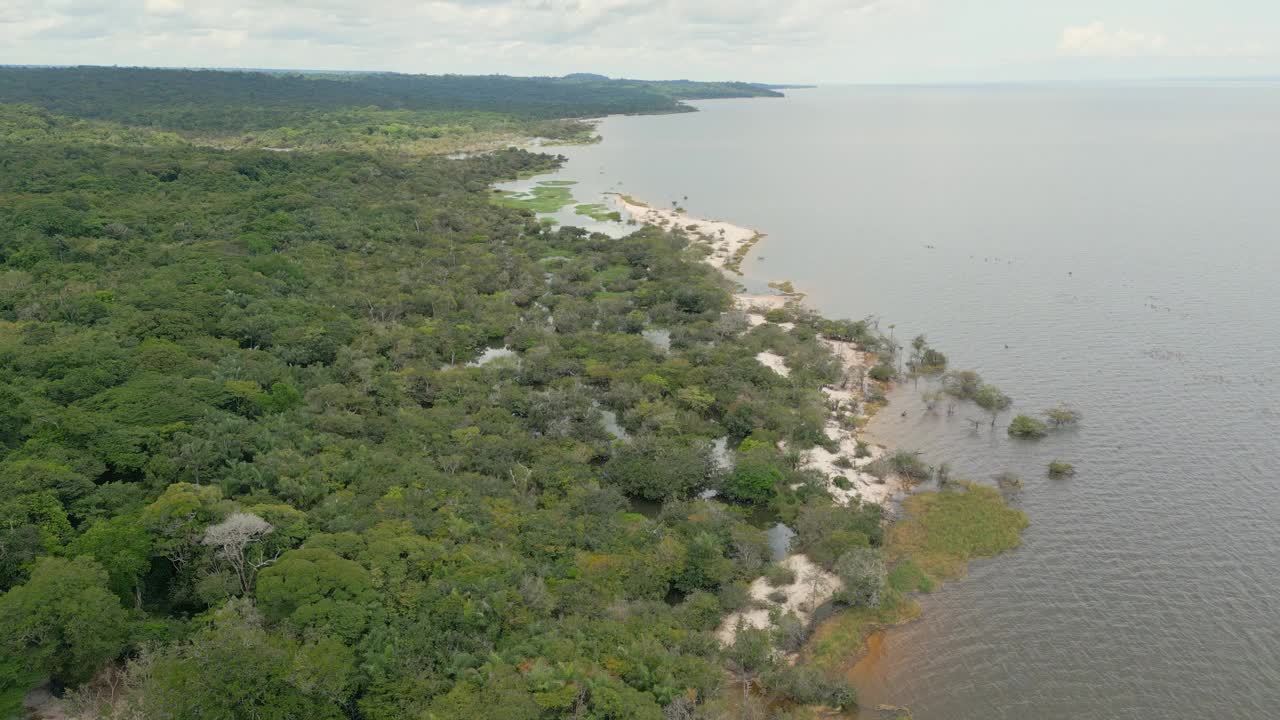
(802, 41)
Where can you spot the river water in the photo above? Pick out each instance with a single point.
(1112, 247)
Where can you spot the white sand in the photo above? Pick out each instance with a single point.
(803, 596)
(724, 239)
(774, 362)
(845, 397)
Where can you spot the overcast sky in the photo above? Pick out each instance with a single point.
(776, 41)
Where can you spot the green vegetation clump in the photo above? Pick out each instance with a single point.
(882, 372)
(1025, 426)
(778, 575)
(939, 535)
(906, 464)
(542, 198)
(943, 531)
(1058, 468)
(598, 211)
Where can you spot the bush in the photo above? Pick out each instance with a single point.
(1062, 416)
(1057, 468)
(963, 384)
(932, 361)
(882, 373)
(842, 482)
(777, 596)
(862, 571)
(1025, 426)
(789, 632)
(778, 575)
(824, 532)
(808, 686)
(753, 481)
(903, 463)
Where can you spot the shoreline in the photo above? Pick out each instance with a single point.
(847, 415)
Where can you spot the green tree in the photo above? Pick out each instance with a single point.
(658, 468)
(235, 669)
(993, 400)
(63, 623)
(315, 588)
(123, 548)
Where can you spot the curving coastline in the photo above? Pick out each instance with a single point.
(728, 244)
(840, 642)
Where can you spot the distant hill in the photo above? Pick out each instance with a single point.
(229, 101)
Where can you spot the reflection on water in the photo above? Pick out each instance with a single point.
(779, 541)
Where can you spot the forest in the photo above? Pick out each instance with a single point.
(256, 461)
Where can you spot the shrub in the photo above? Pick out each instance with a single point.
(903, 463)
(789, 633)
(778, 575)
(1057, 468)
(753, 481)
(778, 596)
(807, 686)
(842, 482)
(963, 384)
(932, 361)
(824, 532)
(882, 373)
(862, 571)
(1062, 416)
(1025, 426)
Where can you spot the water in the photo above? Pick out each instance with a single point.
(1111, 247)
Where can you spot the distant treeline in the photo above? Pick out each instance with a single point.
(232, 101)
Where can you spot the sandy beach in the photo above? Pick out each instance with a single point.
(729, 245)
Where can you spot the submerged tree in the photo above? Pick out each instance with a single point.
(993, 400)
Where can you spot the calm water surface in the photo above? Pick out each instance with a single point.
(1111, 247)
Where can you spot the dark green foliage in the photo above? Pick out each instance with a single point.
(657, 468)
(810, 686)
(1058, 468)
(1025, 426)
(62, 624)
(882, 372)
(755, 477)
(191, 334)
(213, 100)
(825, 532)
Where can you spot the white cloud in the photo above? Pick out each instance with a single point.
(164, 7)
(1095, 39)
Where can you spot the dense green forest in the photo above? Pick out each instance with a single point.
(222, 101)
(258, 461)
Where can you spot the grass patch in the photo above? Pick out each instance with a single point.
(943, 531)
(841, 638)
(907, 577)
(542, 198)
(598, 212)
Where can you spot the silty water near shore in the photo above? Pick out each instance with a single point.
(1113, 247)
